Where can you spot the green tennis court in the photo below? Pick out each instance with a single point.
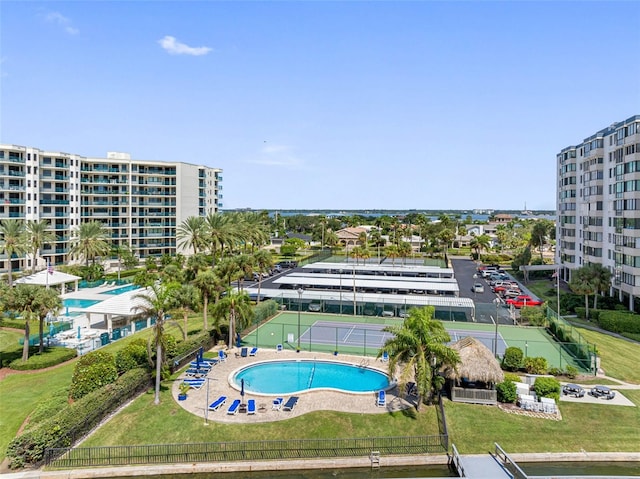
(363, 335)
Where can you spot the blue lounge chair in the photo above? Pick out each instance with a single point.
(279, 348)
(244, 352)
(382, 398)
(235, 405)
(276, 405)
(200, 365)
(196, 372)
(222, 356)
(215, 405)
(211, 361)
(251, 406)
(253, 351)
(194, 383)
(290, 404)
(385, 357)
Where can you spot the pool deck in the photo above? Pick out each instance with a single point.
(315, 400)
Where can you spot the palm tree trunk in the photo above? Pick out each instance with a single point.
(259, 285)
(586, 306)
(184, 318)
(41, 332)
(25, 347)
(232, 320)
(156, 399)
(206, 307)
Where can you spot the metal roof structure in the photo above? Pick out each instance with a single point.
(334, 281)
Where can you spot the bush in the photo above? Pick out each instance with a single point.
(512, 377)
(92, 371)
(15, 323)
(535, 316)
(619, 322)
(264, 310)
(556, 372)
(536, 365)
(133, 355)
(571, 372)
(74, 420)
(506, 392)
(51, 356)
(512, 360)
(547, 387)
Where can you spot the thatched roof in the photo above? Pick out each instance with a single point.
(476, 362)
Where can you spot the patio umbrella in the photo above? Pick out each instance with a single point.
(66, 310)
(52, 330)
(242, 389)
(79, 333)
(238, 340)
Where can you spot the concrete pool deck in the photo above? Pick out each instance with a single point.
(315, 400)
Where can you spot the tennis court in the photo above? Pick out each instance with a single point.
(363, 335)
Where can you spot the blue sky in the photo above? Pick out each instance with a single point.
(326, 105)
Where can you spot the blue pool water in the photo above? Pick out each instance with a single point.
(78, 303)
(287, 377)
(123, 289)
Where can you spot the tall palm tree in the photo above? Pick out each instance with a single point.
(263, 262)
(210, 285)
(246, 266)
(392, 252)
(89, 241)
(582, 282)
(191, 233)
(601, 280)
(228, 270)
(404, 250)
(418, 348)
(218, 232)
(37, 237)
(12, 241)
(235, 307)
(187, 300)
(157, 301)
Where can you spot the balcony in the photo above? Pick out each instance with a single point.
(14, 173)
(10, 187)
(14, 159)
(53, 202)
(13, 201)
(12, 214)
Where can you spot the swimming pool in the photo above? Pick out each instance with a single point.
(296, 376)
(123, 289)
(78, 303)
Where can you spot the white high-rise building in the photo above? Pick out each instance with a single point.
(598, 206)
(139, 202)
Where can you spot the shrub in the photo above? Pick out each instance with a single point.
(619, 321)
(512, 377)
(556, 371)
(571, 372)
(50, 357)
(536, 365)
(535, 316)
(506, 391)
(15, 323)
(74, 420)
(264, 310)
(547, 387)
(512, 360)
(133, 355)
(92, 371)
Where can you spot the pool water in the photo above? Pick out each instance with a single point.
(123, 289)
(294, 376)
(78, 303)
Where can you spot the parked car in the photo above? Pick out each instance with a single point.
(315, 306)
(523, 300)
(477, 288)
(511, 293)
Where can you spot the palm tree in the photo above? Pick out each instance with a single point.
(209, 284)
(582, 282)
(331, 239)
(234, 306)
(89, 241)
(157, 301)
(246, 266)
(217, 232)
(601, 280)
(187, 300)
(191, 233)
(392, 252)
(34, 302)
(12, 241)
(228, 270)
(480, 243)
(263, 262)
(446, 236)
(37, 237)
(404, 250)
(538, 236)
(418, 349)
(195, 264)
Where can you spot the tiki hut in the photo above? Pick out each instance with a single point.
(475, 377)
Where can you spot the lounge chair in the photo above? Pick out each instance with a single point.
(222, 356)
(195, 372)
(233, 409)
(385, 357)
(244, 352)
(215, 405)
(290, 404)
(211, 361)
(276, 405)
(200, 365)
(251, 406)
(382, 398)
(253, 351)
(278, 348)
(194, 383)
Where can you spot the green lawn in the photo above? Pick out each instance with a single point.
(472, 428)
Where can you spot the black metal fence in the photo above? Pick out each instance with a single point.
(442, 424)
(65, 458)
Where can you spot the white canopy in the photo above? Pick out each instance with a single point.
(45, 278)
(124, 304)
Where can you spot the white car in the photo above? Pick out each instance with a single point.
(477, 288)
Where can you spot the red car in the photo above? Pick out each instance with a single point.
(523, 300)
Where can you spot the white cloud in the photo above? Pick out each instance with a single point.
(59, 19)
(280, 156)
(174, 47)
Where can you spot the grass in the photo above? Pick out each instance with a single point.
(473, 428)
(9, 341)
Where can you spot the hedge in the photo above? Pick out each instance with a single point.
(93, 371)
(264, 310)
(52, 356)
(619, 321)
(14, 323)
(75, 420)
(547, 388)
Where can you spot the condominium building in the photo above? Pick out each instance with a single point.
(139, 202)
(598, 206)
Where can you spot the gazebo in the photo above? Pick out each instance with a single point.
(477, 374)
(50, 278)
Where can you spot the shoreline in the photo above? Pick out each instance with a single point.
(282, 465)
